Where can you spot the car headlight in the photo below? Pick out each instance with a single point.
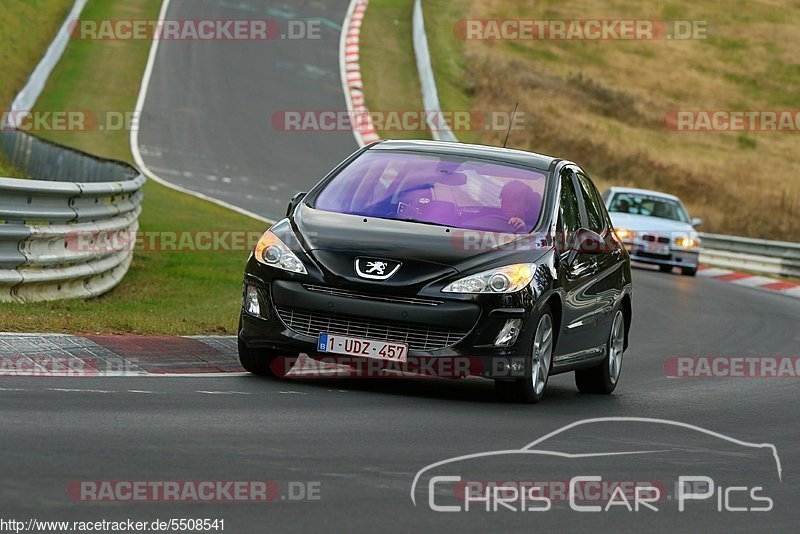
(271, 251)
(623, 233)
(686, 242)
(507, 279)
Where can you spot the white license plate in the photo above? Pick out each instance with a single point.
(366, 348)
(657, 248)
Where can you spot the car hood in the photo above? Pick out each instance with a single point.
(644, 223)
(427, 251)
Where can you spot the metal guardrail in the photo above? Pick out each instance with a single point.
(48, 224)
(756, 255)
(439, 128)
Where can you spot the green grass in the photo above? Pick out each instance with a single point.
(27, 29)
(164, 292)
(388, 64)
(8, 170)
(100, 76)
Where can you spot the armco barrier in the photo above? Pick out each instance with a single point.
(749, 254)
(73, 194)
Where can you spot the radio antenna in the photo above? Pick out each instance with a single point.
(511, 122)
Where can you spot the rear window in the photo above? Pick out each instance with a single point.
(437, 189)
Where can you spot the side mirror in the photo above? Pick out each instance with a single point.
(585, 241)
(589, 242)
(294, 203)
(696, 221)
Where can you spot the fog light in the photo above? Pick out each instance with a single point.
(251, 303)
(509, 333)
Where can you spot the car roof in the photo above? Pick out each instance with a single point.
(643, 192)
(507, 155)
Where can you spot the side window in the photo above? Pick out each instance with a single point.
(569, 214)
(594, 209)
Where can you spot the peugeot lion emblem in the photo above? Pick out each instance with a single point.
(376, 268)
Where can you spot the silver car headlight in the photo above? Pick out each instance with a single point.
(506, 279)
(271, 251)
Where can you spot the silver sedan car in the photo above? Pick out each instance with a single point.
(655, 228)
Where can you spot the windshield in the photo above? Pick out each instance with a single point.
(651, 206)
(437, 189)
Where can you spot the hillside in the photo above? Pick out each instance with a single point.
(603, 103)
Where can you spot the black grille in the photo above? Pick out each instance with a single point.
(654, 238)
(416, 336)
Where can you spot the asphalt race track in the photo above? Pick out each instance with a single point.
(361, 443)
(206, 124)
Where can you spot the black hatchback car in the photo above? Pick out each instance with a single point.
(501, 262)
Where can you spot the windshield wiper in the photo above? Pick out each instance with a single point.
(420, 222)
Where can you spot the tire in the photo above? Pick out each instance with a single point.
(257, 362)
(260, 361)
(689, 271)
(538, 363)
(603, 378)
(665, 268)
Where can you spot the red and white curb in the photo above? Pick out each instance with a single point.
(93, 355)
(363, 128)
(88, 355)
(791, 289)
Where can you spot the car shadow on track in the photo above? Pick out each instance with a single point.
(475, 390)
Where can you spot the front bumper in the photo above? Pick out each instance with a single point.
(476, 319)
(676, 257)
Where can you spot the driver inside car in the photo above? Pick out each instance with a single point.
(517, 203)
